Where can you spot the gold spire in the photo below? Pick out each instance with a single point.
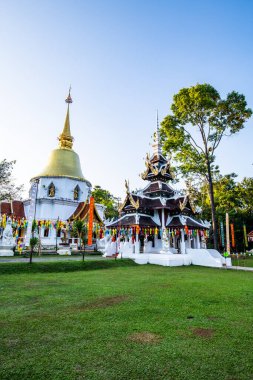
(65, 138)
(64, 161)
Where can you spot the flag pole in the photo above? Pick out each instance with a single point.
(227, 233)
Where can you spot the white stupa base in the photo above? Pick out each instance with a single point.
(202, 257)
(207, 258)
(6, 251)
(64, 252)
(228, 262)
(168, 260)
(166, 252)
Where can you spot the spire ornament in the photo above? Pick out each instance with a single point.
(157, 144)
(65, 138)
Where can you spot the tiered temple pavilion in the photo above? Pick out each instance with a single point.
(157, 209)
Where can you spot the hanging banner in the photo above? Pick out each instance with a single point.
(232, 235)
(222, 234)
(90, 223)
(227, 233)
(32, 212)
(245, 236)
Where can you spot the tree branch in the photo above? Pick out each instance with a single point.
(196, 145)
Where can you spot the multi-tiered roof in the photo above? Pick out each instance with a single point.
(158, 203)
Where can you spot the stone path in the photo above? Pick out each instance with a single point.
(247, 269)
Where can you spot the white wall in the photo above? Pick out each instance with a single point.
(64, 188)
(62, 205)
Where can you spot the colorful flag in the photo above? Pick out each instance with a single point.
(245, 236)
(222, 234)
(90, 225)
(232, 235)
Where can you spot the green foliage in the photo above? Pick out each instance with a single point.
(8, 190)
(34, 226)
(199, 121)
(78, 227)
(80, 230)
(98, 325)
(33, 242)
(105, 198)
(235, 198)
(194, 131)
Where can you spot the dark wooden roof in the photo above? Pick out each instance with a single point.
(176, 222)
(157, 168)
(158, 187)
(154, 203)
(129, 220)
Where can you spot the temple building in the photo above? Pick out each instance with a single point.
(59, 191)
(147, 214)
(61, 185)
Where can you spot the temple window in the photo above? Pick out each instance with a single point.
(76, 193)
(46, 232)
(51, 190)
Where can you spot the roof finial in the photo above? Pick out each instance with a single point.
(65, 138)
(69, 99)
(157, 145)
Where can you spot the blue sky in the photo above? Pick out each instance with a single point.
(124, 60)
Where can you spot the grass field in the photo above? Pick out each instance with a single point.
(243, 261)
(116, 320)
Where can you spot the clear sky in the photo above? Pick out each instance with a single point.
(124, 60)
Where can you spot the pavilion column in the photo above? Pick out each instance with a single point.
(188, 241)
(174, 242)
(137, 243)
(182, 243)
(163, 219)
(197, 240)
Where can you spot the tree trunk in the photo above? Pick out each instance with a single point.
(79, 242)
(31, 255)
(210, 183)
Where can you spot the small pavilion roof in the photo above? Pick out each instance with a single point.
(174, 203)
(177, 221)
(82, 212)
(129, 220)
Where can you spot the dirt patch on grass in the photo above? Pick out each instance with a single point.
(102, 303)
(203, 333)
(11, 343)
(145, 337)
(40, 284)
(165, 286)
(212, 318)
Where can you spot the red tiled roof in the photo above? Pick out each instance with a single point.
(82, 212)
(18, 209)
(15, 208)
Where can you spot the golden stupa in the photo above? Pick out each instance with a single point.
(64, 162)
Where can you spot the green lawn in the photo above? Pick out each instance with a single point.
(243, 261)
(116, 320)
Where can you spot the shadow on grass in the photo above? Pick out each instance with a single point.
(69, 266)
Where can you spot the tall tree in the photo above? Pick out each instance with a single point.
(199, 121)
(105, 198)
(230, 196)
(8, 190)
